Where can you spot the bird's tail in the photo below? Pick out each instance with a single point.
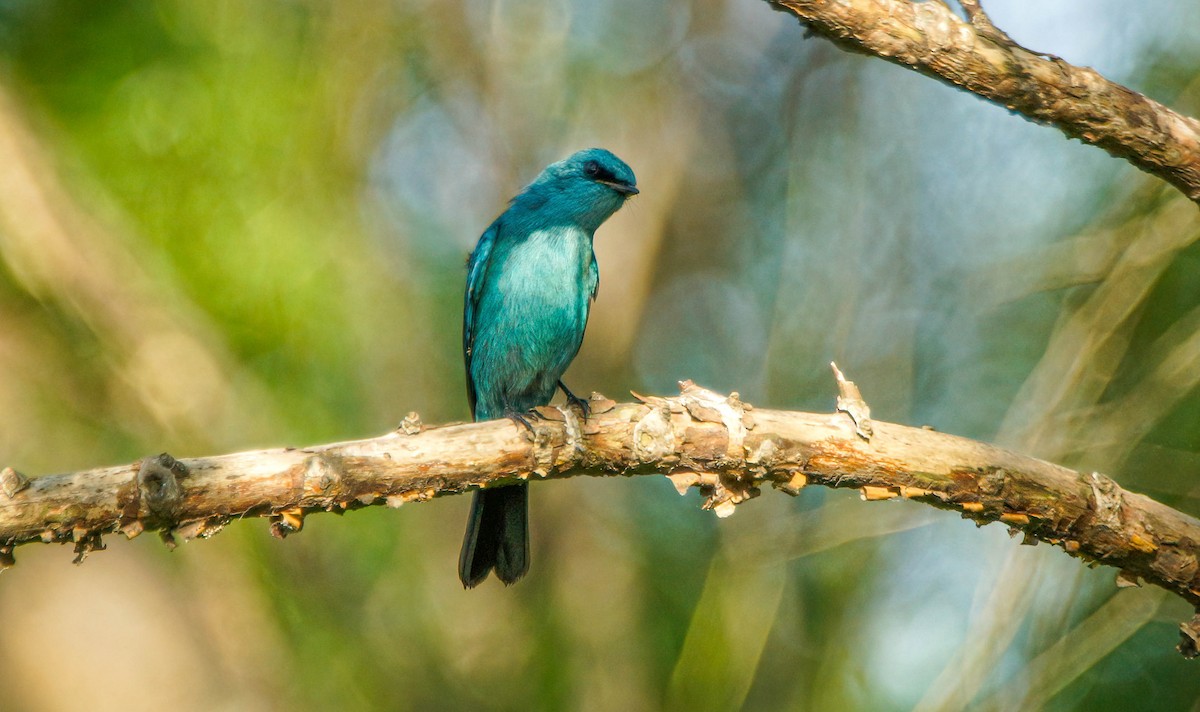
(497, 536)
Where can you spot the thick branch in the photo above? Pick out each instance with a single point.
(724, 447)
(930, 38)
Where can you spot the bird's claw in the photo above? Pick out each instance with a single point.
(584, 407)
(521, 419)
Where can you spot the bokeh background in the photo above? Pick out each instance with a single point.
(231, 225)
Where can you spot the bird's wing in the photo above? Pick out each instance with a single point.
(592, 285)
(477, 267)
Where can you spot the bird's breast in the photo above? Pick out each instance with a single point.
(542, 295)
(547, 268)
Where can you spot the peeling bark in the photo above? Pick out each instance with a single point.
(929, 38)
(724, 447)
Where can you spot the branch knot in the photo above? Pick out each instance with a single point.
(158, 483)
(12, 482)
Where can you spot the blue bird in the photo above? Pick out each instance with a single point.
(530, 283)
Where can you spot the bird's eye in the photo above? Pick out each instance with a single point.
(591, 168)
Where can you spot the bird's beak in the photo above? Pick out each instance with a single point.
(626, 190)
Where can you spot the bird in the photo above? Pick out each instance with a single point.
(531, 280)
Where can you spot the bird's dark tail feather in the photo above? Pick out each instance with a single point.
(497, 536)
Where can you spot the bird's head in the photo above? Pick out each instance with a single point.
(602, 168)
(586, 187)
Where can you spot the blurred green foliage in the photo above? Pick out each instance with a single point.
(231, 225)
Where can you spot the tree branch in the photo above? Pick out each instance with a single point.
(722, 446)
(929, 38)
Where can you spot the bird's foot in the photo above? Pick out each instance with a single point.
(521, 419)
(576, 401)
